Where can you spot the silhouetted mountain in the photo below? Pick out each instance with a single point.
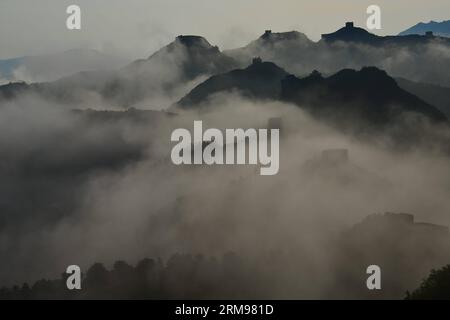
(274, 39)
(438, 28)
(350, 33)
(172, 71)
(369, 95)
(261, 80)
(165, 74)
(350, 96)
(170, 68)
(193, 55)
(13, 90)
(412, 57)
(279, 47)
(435, 95)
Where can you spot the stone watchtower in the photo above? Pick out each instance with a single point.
(256, 60)
(349, 25)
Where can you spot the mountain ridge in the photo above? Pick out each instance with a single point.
(439, 28)
(369, 94)
(258, 80)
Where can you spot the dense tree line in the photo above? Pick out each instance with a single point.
(180, 277)
(435, 287)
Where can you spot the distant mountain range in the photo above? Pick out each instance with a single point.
(350, 33)
(190, 70)
(193, 56)
(438, 28)
(163, 74)
(352, 47)
(50, 67)
(166, 71)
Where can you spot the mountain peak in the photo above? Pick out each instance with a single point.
(259, 80)
(193, 41)
(351, 33)
(281, 36)
(264, 67)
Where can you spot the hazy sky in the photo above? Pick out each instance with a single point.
(136, 28)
